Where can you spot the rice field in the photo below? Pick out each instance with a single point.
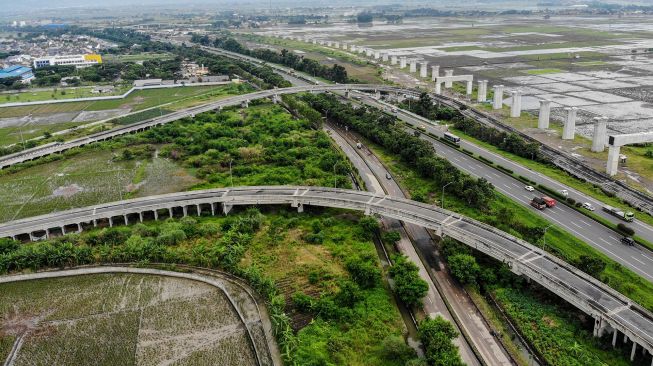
(120, 319)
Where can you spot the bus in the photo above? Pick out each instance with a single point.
(452, 138)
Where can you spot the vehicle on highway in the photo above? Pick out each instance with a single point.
(394, 110)
(628, 241)
(388, 176)
(550, 202)
(529, 188)
(452, 138)
(359, 145)
(564, 192)
(538, 203)
(626, 216)
(588, 206)
(358, 97)
(422, 128)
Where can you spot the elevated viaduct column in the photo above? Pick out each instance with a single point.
(482, 91)
(498, 97)
(515, 107)
(600, 134)
(613, 160)
(384, 57)
(448, 72)
(435, 72)
(423, 70)
(393, 60)
(545, 114)
(469, 89)
(413, 66)
(369, 52)
(402, 62)
(336, 45)
(345, 46)
(377, 55)
(569, 129)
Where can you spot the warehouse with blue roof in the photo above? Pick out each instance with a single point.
(23, 72)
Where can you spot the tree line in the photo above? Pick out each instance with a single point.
(419, 154)
(287, 58)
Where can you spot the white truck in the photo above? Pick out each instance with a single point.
(626, 216)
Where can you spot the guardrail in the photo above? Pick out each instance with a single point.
(610, 309)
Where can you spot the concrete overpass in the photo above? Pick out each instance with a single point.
(612, 311)
(45, 150)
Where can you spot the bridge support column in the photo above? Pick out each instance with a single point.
(377, 55)
(212, 209)
(199, 210)
(423, 69)
(413, 66)
(600, 134)
(140, 216)
(393, 60)
(275, 99)
(226, 208)
(377, 94)
(300, 208)
(632, 352)
(170, 211)
(110, 223)
(498, 97)
(614, 338)
(31, 237)
(448, 72)
(569, 128)
(613, 160)
(79, 229)
(482, 91)
(384, 57)
(126, 220)
(156, 216)
(599, 327)
(245, 104)
(47, 233)
(515, 107)
(545, 114)
(470, 89)
(625, 338)
(402, 62)
(438, 88)
(185, 210)
(347, 93)
(336, 45)
(94, 223)
(435, 72)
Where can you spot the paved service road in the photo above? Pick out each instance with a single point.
(466, 315)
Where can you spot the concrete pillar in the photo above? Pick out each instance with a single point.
(156, 215)
(515, 107)
(377, 55)
(321, 43)
(226, 208)
(185, 210)
(613, 160)
(438, 88)
(393, 60)
(212, 209)
(336, 45)
(352, 48)
(614, 338)
(199, 210)
(79, 229)
(369, 52)
(600, 134)
(347, 93)
(423, 69)
(314, 41)
(275, 98)
(569, 128)
(244, 104)
(31, 237)
(469, 89)
(481, 96)
(545, 114)
(632, 352)
(361, 50)
(413, 66)
(448, 72)
(402, 62)
(377, 94)
(329, 43)
(126, 219)
(344, 46)
(170, 212)
(94, 223)
(47, 234)
(110, 223)
(435, 72)
(140, 216)
(384, 57)
(625, 338)
(498, 97)
(300, 208)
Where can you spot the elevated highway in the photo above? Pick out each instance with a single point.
(612, 311)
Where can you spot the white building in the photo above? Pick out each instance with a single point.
(69, 60)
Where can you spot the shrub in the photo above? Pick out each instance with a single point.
(464, 268)
(571, 201)
(171, 237)
(625, 229)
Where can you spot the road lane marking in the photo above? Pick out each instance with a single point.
(605, 241)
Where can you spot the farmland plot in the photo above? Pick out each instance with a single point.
(121, 319)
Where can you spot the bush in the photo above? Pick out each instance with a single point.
(625, 229)
(410, 288)
(437, 337)
(504, 169)
(171, 237)
(578, 204)
(464, 268)
(485, 160)
(571, 201)
(391, 237)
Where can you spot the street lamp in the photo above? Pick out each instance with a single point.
(442, 200)
(335, 177)
(544, 245)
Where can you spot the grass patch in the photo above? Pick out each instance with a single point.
(542, 71)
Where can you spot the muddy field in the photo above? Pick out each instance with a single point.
(120, 319)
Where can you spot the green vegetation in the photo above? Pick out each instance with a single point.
(319, 265)
(264, 145)
(113, 319)
(542, 71)
(436, 336)
(57, 94)
(409, 286)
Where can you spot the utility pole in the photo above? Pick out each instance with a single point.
(544, 245)
(443, 187)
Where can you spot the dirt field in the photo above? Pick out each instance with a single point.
(120, 319)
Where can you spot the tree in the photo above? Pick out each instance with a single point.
(591, 265)
(364, 272)
(464, 268)
(437, 336)
(410, 288)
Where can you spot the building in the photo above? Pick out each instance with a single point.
(70, 60)
(24, 73)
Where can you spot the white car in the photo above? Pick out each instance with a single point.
(529, 188)
(588, 206)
